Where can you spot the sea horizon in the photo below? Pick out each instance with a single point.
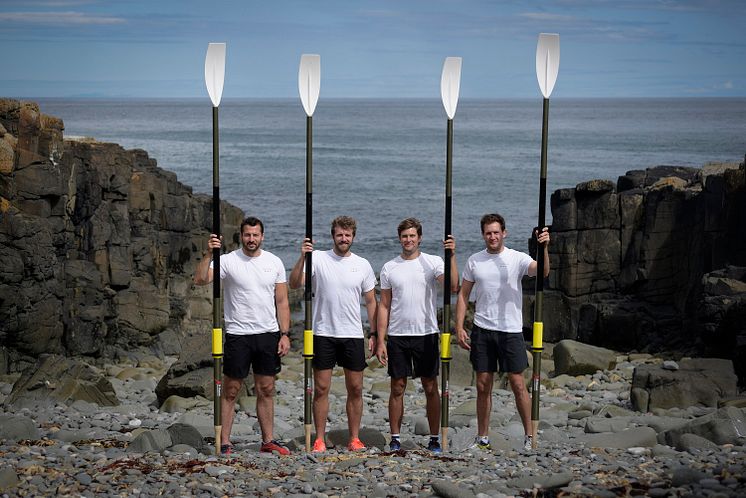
(381, 160)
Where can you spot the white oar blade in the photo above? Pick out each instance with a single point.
(450, 82)
(547, 62)
(309, 81)
(215, 71)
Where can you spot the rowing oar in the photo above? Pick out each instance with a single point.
(214, 76)
(450, 81)
(547, 66)
(309, 79)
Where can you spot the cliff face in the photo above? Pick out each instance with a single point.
(97, 246)
(652, 263)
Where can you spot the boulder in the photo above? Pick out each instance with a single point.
(58, 379)
(153, 440)
(8, 479)
(725, 426)
(575, 358)
(186, 434)
(630, 438)
(15, 428)
(697, 382)
(551, 481)
(449, 489)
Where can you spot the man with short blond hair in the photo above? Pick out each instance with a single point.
(339, 278)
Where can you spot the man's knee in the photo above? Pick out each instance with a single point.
(231, 387)
(398, 386)
(484, 383)
(517, 383)
(430, 386)
(264, 388)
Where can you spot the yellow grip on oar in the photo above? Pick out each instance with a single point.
(308, 343)
(538, 334)
(445, 346)
(217, 342)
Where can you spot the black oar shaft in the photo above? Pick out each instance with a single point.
(445, 347)
(308, 294)
(309, 215)
(215, 217)
(217, 330)
(537, 345)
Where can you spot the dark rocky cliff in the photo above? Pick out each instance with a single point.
(97, 246)
(656, 262)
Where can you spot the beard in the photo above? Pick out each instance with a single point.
(342, 248)
(252, 246)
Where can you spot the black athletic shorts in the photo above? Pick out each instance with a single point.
(255, 351)
(490, 347)
(345, 352)
(413, 355)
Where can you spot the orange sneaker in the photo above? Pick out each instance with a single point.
(319, 446)
(274, 446)
(355, 445)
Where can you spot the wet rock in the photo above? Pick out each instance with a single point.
(58, 379)
(14, 428)
(575, 358)
(639, 436)
(699, 381)
(726, 425)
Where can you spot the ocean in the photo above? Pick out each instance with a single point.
(381, 161)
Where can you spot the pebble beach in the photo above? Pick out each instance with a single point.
(590, 444)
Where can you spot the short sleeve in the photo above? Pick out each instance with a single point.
(369, 283)
(281, 277)
(439, 266)
(468, 273)
(385, 284)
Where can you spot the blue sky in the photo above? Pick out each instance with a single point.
(382, 48)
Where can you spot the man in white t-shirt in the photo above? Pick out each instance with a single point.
(339, 278)
(495, 274)
(257, 325)
(407, 314)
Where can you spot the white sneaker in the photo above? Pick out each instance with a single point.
(528, 443)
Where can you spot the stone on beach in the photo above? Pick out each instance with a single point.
(14, 428)
(58, 379)
(698, 381)
(575, 358)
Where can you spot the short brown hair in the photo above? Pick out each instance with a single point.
(345, 223)
(410, 223)
(488, 219)
(252, 221)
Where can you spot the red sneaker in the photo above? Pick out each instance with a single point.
(319, 446)
(355, 445)
(274, 446)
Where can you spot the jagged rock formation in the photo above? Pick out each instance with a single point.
(97, 246)
(647, 263)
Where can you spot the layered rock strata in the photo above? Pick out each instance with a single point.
(97, 246)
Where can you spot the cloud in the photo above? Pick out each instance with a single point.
(59, 18)
(547, 17)
(58, 3)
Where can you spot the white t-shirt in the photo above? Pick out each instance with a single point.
(414, 293)
(497, 288)
(338, 282)
(249, 291)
